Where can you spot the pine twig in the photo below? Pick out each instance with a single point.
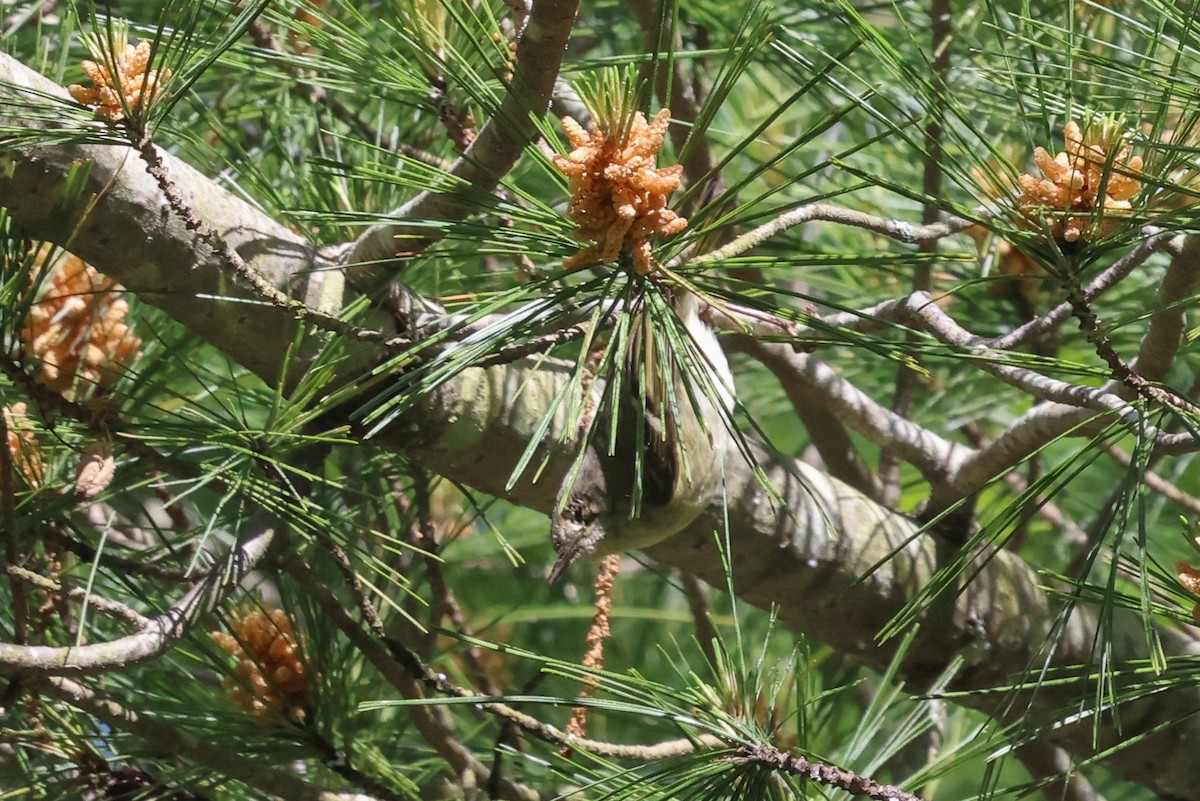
(325, 322)
(894, 229)
(387, 653)
(1089, 323)
(821, 773)
(697, 599)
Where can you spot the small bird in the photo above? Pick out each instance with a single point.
(616, 501)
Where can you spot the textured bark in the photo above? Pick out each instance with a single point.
(118, 218)
(834, 564)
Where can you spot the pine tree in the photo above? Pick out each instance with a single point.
(846, 347)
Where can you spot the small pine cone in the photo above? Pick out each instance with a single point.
(270, 682)
(77, 332)
(24, 451)
(617, 193)
(96, 469)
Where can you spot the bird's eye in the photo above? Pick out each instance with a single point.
(576, 514)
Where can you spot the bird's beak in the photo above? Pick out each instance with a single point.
(566, 556)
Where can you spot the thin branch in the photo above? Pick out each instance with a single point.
(1157, 483)
(159, 635)
(444, 605)
(1155, 241)
(97, 602)
(1051, 767)
(839, 454)
(1047, 509)
(212, 755)
(500, 143)
(300, 86)
(697, 161)
(894, 229)
(157, 169)
(821, 773)
(1121, 371)
(930, 317)
(935, 456)
(706, 633)
(1165, 331)
(118, 564)
(908, 379)
(400, 664)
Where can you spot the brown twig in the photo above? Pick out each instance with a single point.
(500, 143)
(118, 564)
(434, 723)
(908, 379)
(1050, 766)
(1089, 323)
(459, 124)
(164, 736)
(98, 602)
(339, 762)
(302, 87)
(512, 353)
(444, 605)
(1043, 507)
(1157, 483)
(696, 593)
(1155, 240)
(389, 654)
(821, 773)
(162, 632)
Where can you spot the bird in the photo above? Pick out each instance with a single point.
(671, 422)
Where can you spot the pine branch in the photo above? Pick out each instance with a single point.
(215, 756)
(154, 639)
(499, 144)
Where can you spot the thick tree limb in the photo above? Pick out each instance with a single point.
(119, 218)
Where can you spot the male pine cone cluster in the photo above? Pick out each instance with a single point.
(77, 332)
(24, 452)
(133, 83)
(77, 336)
(1086, 178)
(618, 194)
(270, 683)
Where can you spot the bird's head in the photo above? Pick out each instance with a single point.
(577, 529)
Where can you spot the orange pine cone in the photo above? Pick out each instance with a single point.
(77, 332)
(270, 682)
(1090, 175)
(618, 194)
